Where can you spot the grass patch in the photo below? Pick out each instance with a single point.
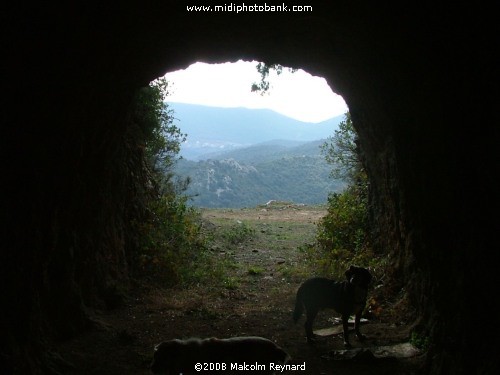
(230, 282)
(294, 273)
(255, 270)
(241, 245)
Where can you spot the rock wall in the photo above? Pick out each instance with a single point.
(416, 80)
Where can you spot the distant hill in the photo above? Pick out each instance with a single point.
(257, 174)
(268, 151)
(212, 129)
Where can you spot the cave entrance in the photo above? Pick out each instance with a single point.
(245, 283)
(245, 166)
(270, 125)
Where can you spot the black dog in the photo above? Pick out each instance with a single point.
(347, 298)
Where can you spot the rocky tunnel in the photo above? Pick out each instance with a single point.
(417, 81)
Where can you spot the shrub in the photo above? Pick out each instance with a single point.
(169, 245)
(172, 246)
(345, 225)
(343, 235)
(237, 233)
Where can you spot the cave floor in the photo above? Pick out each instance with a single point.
(258, 302)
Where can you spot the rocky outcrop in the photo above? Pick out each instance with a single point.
(416, 80)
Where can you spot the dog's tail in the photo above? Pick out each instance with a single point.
(299, 306)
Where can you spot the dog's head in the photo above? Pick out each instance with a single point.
(358, 276)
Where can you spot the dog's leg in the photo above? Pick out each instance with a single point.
(311, 315)
(357, 324)
(345, 326)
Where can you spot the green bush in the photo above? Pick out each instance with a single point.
(342, 235)
(237, 233)
(344, 227)
(170, 248)
(173, 249)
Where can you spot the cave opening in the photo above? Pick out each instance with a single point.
(221, 109)
(255, 270)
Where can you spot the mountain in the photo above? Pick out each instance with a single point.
(254, 175)
(212, 129)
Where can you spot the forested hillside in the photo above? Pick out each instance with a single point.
(257, 174)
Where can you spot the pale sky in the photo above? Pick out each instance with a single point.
(298, 95)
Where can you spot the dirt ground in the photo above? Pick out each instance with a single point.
(258, 304)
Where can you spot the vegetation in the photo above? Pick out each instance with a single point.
(342, 153)
(264, 69)
(161, 136)
(171, 247)
(262, 241)
(298, 174)
(236, 233)
(255, 270)
(342, 235)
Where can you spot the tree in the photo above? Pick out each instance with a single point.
(264, 69)
(161, 136)
(342, 152)
(342, 234)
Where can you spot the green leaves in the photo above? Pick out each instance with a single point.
(344, 226)
(264, 69)
(161, 136)
(171, 245)
(342, 152)
(173, 249)
(343, 234)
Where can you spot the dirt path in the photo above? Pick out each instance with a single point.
(258, 302)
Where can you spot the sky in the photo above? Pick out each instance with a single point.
(298, 95)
